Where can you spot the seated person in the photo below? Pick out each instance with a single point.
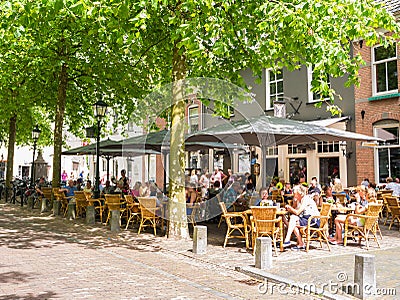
(88, 188)
(287, 192)
(340, 220)
(69, 190)
(213, 192)
(299, 217)
(264, 197)
(39, 185)
(136, 189)
(107, 189)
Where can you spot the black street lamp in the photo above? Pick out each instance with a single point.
(100, 110)
(35, 136)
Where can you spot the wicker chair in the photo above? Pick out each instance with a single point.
(81, 203)
(230, 219)
(194, 215)
(132, 209)
(265, 223)
(47, 194)
(394, 209)
(97, 203)
(381, 195)
(369, 228)
(60, 196)
(341, 198)
(320, 233)
(149, 213)
(113, 202)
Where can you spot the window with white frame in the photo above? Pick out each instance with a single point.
(388, 151)
(274, 87)
(193, 118)
(384, 69)
(315, 97)
(294, 149)
(328, 147)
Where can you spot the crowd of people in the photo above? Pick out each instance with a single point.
(236, 191)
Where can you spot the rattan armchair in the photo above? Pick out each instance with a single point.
(320, 233)
(98, 204)
(81, 203)
(114, 202)
(149, 213)
(132, 209)
(242, 228)
(265, 223)
(368, 230)
(394, 210)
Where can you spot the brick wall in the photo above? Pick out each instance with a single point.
(374, 111)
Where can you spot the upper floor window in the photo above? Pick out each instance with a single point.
(327, 147)
(274, 87)
(272, 151)
(315, 97)
(193, 118)
(384, 69)
(294, 149)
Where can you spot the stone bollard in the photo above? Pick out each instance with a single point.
(200, 240)
(115, 221)
(56, 207)
(43, 205)
(71, 211)
(364, 276)
(90, 215)
(263, 253)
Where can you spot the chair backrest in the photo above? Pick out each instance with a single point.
(341, 198)
(80, 196)
(47, 192)
(148, 206)
(261, 215)
(113, 201)
(325, 212)
(223, 208)
(88, 195)
(391, 201)
(372, 211)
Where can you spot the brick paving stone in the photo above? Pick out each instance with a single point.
(50, 257)
(44, 257)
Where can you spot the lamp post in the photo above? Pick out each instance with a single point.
(35, 136)
(100, 110)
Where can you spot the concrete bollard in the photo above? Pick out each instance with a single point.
(200, 240)
(90, 215)
(56, 207)
(263, 253)
(364, 276)
(43, 205)
(115, 221)
(71, 211)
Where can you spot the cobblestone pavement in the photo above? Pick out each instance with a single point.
(45, 257)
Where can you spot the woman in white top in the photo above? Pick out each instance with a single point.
(300, 215)
(194, 178)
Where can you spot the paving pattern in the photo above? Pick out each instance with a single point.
(45, 257)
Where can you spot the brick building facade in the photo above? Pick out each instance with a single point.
(377, 112)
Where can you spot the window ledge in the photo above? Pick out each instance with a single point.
(387, 96)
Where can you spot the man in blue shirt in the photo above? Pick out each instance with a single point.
(70, 189)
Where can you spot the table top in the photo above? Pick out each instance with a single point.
(279, 211)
